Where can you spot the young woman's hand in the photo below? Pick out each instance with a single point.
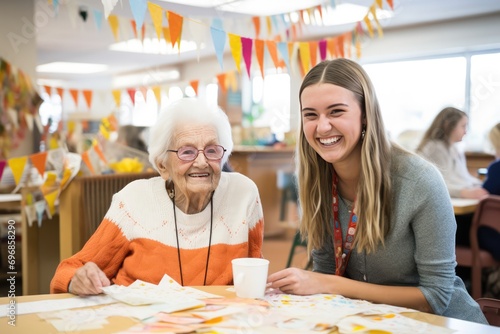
(297, 281)
(474, 193)
(88, 280)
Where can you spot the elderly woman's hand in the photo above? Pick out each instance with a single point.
(88, 280)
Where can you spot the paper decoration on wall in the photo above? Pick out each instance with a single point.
(139, 8)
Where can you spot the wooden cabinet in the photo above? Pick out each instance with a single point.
(261, 164)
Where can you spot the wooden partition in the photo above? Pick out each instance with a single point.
(83, 206)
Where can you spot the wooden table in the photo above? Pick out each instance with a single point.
(31, 323)
(462, 206)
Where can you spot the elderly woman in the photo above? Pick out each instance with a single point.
(188, 223)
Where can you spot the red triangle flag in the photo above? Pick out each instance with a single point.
(131, 93)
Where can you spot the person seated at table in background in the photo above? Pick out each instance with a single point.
(492, 182)
(188, 223)
(438, 145)
(377, 218)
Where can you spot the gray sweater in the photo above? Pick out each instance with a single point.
(420, 247)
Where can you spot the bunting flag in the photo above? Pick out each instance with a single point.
(2, 167)
(156, 13)
(17, 167)
(98, 18)
(175, 26)
(305, 55)
(256, 24)
(221, 78)
(40, 209)
(131, 94)
(322, 49)
(259, 52)
(108, 6)
(219, 41)
(39, 161)
(74, 95)
(117, 96)
(139, 8)
(51, 198)
(97, 149)
(235, 46)
(157, 92)
(373, 11)
(87, 94)
(87, 162)
(60, 91)
(272, 48)
(48, 90)
(246, 47)
(283, 49)
(368, 25)
(194, 84)
(114, 24)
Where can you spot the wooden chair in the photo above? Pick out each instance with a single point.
(487, 214)
(491, 310)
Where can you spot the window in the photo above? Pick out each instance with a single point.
(412, 93)
(484, 99)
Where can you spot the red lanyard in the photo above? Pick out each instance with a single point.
(342, 249)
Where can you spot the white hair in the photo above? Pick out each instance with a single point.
(187, 110)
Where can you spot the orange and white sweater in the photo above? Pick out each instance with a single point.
(137, 239)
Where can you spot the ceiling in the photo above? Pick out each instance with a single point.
(64, 38)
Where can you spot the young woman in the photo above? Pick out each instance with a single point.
(378, 219)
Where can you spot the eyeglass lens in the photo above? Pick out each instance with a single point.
(211, 152)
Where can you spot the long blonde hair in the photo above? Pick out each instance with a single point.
(442, 126)
(373, 200)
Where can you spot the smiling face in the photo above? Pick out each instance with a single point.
(195, 179)
(332, 123)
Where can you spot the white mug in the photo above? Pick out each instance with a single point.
(250, 277)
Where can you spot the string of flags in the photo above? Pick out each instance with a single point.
(284, 50)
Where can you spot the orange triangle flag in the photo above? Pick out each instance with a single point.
(256, 24)
(86, 161)
(340, 46)
(175, 26)
(391, 4)
(113, 22)
(259, 52)
(48, 90)
(313, 51)
(134, 27)
(235, 46)
(117, 96)
(156, 15)
(98, 150)
(194, 84)
(17, 167)
(60, 91)
(221, 78)
(38, 160)
(74, 95)
(273, 51)
(331, 46)
(87, 94)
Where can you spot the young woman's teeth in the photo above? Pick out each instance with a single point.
(329, 141)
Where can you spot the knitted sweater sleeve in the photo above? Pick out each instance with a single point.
(256, 231)
(107, 247)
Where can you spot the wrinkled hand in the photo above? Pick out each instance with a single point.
(88, 280)
(474, 193)
(296, 281)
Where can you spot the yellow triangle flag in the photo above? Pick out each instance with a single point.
(305, 56)
(269, 25)
(17, 167)
(156, 13)
(65, 178)
(231, 80)
(117, 95)
(157, 92)
(379, 3)
(235, 46)
(373, 10)
(38, 160)
(368, 25)
(51, 198)
(113, 22)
